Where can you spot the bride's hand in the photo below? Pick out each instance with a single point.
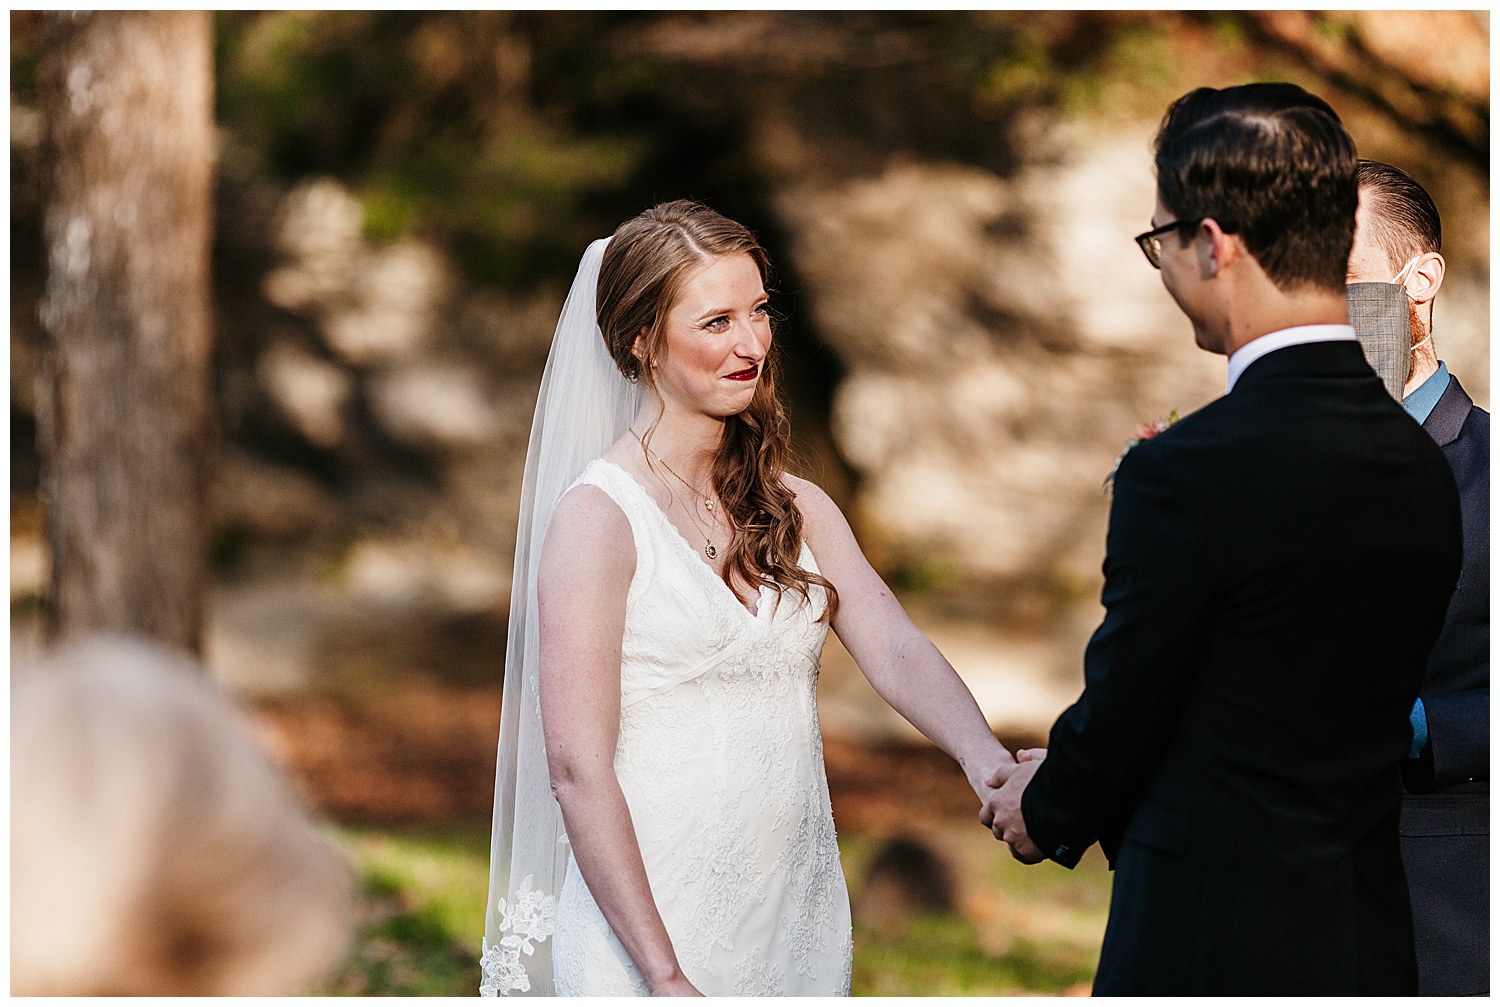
(677, 987)
(1031, 755)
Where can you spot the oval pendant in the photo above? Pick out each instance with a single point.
(710, 551)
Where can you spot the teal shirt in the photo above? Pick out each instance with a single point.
(1421, 402)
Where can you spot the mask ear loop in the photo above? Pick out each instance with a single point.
(1400, 280)
(1401, 277)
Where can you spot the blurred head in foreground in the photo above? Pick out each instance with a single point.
(154, 848)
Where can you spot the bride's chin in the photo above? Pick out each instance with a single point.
(723, 410)
(734, 411)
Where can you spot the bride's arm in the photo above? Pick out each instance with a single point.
(586, 566)
(898, 659)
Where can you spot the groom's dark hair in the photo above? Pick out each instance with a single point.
(1271, 163)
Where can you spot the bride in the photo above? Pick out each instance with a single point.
(662, 822)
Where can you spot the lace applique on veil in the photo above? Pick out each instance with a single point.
(529, 918)
(584, 405)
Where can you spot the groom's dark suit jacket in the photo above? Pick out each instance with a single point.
(1278, 567)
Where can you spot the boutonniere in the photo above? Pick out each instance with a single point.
(1143, 433)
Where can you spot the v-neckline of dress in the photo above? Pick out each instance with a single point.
(687, 546)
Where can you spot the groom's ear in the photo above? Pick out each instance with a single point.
(1217, 249)
(1426, 277)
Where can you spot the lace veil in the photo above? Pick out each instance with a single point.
(584, 406)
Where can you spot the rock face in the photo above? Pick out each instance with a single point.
(372, 305)
(999, 351)
(1003, 339)
(417, 391)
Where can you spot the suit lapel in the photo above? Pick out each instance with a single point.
(1448, 416)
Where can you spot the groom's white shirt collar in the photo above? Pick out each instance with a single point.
(1280, 340)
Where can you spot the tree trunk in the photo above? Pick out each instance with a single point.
(123, 402)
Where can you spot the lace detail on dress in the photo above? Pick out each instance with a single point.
(755, 977)
(811, 864)
(529, 917)
(587, 958)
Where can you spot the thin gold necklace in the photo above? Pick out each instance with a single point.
(709, 549)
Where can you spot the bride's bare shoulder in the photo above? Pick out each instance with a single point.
(821, 517)
(588, 522)
(805, 490)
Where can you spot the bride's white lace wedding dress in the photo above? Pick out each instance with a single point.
(721, 763)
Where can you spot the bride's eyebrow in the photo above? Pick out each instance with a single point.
(710, 315)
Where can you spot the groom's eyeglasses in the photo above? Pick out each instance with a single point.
(1150, 242)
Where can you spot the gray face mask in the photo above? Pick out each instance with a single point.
(1381, 318)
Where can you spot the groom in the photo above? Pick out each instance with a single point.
(1277, 569)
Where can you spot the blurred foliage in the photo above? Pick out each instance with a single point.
(25, 52)
(423, 895)
(513, 137)
(427, 117)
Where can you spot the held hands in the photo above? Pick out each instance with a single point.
(1001, 813)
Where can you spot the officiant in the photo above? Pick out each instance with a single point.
(1395, 271)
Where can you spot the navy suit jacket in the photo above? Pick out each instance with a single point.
(1456, 685)
(1445, 813)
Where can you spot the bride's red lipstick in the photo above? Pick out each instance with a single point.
(748, 374)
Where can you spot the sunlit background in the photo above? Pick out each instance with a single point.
(970, 337)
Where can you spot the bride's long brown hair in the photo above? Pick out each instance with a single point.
(640, 279)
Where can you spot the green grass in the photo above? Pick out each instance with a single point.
(1020, 929)
(423, 893)
(940, 955)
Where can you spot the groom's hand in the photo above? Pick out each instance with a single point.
(1002, 812)
(1002, 773)
(996, 780)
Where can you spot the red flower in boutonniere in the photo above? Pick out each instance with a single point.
(1143, 433)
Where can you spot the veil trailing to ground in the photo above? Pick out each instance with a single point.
(585, 405)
